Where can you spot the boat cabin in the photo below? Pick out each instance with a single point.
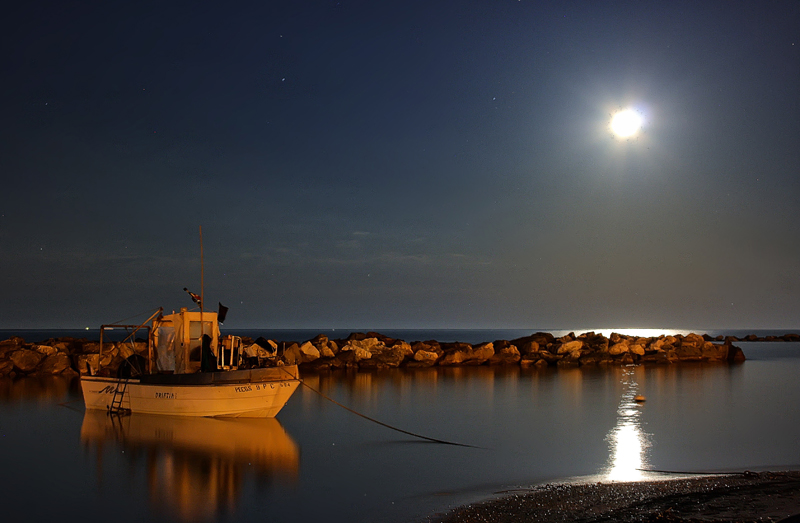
(177, 340)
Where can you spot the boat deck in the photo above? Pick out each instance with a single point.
(228, 376)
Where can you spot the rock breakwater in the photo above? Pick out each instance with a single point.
(372, 350)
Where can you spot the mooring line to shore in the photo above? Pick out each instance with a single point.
(434, 440)
(689, 473)
(66, 405)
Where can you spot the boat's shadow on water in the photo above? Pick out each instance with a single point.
(195, 468)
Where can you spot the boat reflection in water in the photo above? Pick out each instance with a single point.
(627, 442)
(196, 467)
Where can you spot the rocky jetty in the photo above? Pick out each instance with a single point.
(62, 356)
(375, 351)
(372, 350)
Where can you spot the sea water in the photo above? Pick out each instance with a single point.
(322, 462)
(442, 335)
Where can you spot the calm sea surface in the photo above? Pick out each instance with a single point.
(318, 462)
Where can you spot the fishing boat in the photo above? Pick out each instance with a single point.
(189, 371)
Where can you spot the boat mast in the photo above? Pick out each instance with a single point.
(201, 273)
(202, 324)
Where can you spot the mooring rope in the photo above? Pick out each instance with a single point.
(434, 440)
(66, 405)
(695, 473)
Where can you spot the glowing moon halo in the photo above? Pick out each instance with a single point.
(625, 124)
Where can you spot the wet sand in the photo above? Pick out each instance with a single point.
(765, 496)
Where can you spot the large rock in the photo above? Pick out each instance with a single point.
(10, 345)
(110, 348)
(308, 352)
(540, 338)
(47, 350)
(55, 364)
(618, 348)
(87, 363)
(404, 348)
(68, 345)
(360, 354)
(6, 367)
(529, 347)
(692, 340)
(455, 354)
(424, 358)
(427, 346)
(367, 344)
(344, 359)
(735, 354)
(481, 353)
(320, 340)
(292, 355)
(548, 356)
(62, 346)
(326, 347)
(595, 342)
(655, 357)
(570, 346)
(636, 348)
(505, 356)
(566, 338)
(690, 348)
(93, 347)
(714, 352)
(389, 357)
(465, 354)
(530, 359)
(26, 360)
(333, 346)
(125, 350)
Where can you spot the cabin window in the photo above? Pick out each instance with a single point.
(195, 338)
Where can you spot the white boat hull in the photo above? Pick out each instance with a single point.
(260, 394)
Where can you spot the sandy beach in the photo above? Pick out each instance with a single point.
(746, 497)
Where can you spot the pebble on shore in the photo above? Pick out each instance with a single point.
(746, 497)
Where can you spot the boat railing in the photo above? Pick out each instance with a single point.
(229, 352)
(129, 338)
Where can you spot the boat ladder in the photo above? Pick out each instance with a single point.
(116, 407)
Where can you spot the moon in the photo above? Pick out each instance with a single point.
(626, 123)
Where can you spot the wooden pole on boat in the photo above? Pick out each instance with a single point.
(202, 324)
(201, 274)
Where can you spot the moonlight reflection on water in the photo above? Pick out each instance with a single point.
(628, 443)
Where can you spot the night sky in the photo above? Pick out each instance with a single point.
(409, 164)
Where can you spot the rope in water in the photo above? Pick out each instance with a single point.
(434, 440)
(695, 473)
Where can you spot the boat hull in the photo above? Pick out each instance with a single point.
(260, 393)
